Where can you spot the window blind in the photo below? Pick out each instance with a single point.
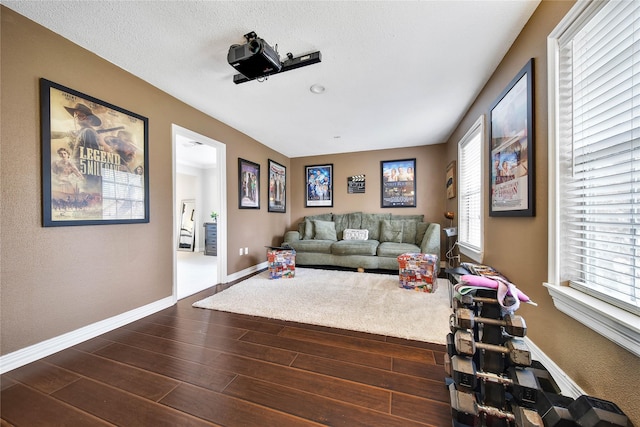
(470, 189)
(599, 88)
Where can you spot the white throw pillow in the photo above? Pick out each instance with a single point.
(354, 234)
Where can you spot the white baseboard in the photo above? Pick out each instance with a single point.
(32, 353)
(247, 271)
(567, 386)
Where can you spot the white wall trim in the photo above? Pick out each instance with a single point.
(619, 326)
(247, 271)
(567, 386)
(46, 348)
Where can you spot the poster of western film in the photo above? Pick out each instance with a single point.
(319, 182)
(94, 160)
(510, 152)
(277, 187)
(248, 184)
(398, 184)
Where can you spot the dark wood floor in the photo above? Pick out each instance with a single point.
(187, 366)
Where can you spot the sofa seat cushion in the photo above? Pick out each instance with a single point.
(354, 247)
(392, 249)
(317, 246)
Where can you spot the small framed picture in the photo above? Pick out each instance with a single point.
(277, 187)
(94, 160)
(319, 181)
(248, 184)
(398, 183)
(451, 180)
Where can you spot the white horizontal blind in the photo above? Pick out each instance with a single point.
(600, 155)
(470, 189)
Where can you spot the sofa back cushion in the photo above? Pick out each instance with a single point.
(372, 223)
(391, 231)
(344, 221)
(410, 229)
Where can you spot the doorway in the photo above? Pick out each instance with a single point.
(199, 178)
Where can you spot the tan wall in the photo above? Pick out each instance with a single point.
(56, 280)
(517, 247)
(430, 182)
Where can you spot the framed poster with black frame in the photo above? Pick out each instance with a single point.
(511, 186)
(277, 187)
(94, 160)
(319, 183)
(398, 183)
(248, 184)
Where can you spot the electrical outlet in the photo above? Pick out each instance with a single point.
(246, 251)
(240, 251)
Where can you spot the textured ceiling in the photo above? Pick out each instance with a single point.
(397, 74)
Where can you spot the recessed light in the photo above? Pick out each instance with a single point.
(317, 89)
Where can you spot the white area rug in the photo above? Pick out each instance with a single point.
(363, 302)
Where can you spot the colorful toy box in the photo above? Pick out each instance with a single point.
(418, 272)
(282, 263)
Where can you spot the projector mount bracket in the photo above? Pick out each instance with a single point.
(291, 63)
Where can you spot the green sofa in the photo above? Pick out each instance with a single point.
(336, 239)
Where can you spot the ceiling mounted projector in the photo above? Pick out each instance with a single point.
(256, 59)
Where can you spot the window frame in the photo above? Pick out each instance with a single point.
(472, 251)
(618, 325)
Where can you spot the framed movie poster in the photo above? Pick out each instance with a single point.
(511, 148)
(319, 179)
(277, 187)
(398, 183)
(248, 184)
(94, 160)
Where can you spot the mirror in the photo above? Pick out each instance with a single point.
(187, 232)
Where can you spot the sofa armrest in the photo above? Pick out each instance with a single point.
(291, 236)
(431, 240)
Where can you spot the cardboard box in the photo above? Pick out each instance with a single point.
(418, 272)
(282, 263)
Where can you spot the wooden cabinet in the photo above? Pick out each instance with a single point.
(211, 238)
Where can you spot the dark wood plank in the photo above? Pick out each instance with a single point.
(92, 345)
(164, 346)
(215, 342)
(6, 381)
(227, 410)
(22, 406)
(311, 406)
(208, 328)
(194, 373)
(384, 348)
(223, 319)
(418, 344)
(419, 369)
(133, 380)
(43, 377)
(345, 391)
(318, 349)
(426, 411)
(374, 377)
(122, 408)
